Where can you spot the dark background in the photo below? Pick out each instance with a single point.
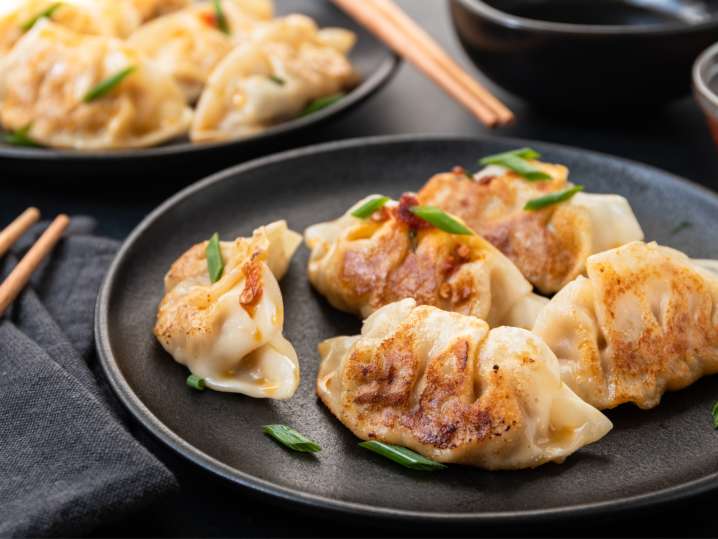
(674, 138)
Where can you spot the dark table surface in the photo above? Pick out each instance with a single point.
(675, 139)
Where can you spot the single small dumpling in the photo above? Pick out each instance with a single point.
(644, 322)
(446, 386)
(46, 77)
(189, 43)
(360, 265)
(286, 64)
(112, 18)
(230, 332)
(549, 246)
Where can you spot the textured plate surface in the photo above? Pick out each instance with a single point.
(372, 59)
(650, 456)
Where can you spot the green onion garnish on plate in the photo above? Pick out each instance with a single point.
(21, 137)
(277, 80)
(291, 438)
(517, 160)
(553, 198)
(402, 455)
(45, 13)
(219, 15)
(714, 411)
(195, 382)
(321, 103)
(215, 262)
(107, 85)
(370, 206)
(441, 220)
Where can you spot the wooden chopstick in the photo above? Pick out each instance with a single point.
(17, 228)
(19, 277)
(402, 34)
(432, 48)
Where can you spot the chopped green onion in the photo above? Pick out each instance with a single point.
(370, 206)
(277, 80)
(321, 103)
(195, 382)
(107, 85)
(291, 438)
(215, 262)
(441, 220)
(222, 23)
(715, 415)
(516, 160)
(21, 137)
(402, 455)
(553, 198)
(46, 13)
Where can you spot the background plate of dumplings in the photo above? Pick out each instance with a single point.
(650, 456)
(372, 60)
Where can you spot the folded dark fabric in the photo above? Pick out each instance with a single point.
(67, 462)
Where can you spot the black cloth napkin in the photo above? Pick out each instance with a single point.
(67, 461)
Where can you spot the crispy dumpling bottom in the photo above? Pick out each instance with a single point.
(446, 386)
(230, 332)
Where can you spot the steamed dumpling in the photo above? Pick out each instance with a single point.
(230, 332)
(645, 321)
(549, 246)
(285, 65)
(361, 265)
(446, 386)
(44, 79)
(188, 44)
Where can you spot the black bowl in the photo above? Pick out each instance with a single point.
(587, 54)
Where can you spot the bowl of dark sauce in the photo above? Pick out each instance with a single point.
(591, 55)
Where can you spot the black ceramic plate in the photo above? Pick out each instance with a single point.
(650, 456)
(372, 59)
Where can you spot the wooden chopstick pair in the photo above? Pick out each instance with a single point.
(18, 278)
(388, 22)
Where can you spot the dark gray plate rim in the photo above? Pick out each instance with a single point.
(146, 418)
(368, 86)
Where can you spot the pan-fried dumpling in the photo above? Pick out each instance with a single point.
(645, 321)
(549, 246)
(189, 43)
(442, 384)
(361, 265)
(230, 332)
(46, 76)
(112, 18)
(287, 64)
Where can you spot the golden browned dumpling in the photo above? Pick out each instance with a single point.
(112, 18)
(361, 265)
(230, 332)
(645, 321)
(45, 80)
(189, 43)
(446, 386)
(285, 65)
(549, 246)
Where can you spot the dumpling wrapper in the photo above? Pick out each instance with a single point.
(45, 77)
(243, 95)
(188, 44)
(230, 332)
(446, 386)
(644, 322)
(360, 265)
(549, 246)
